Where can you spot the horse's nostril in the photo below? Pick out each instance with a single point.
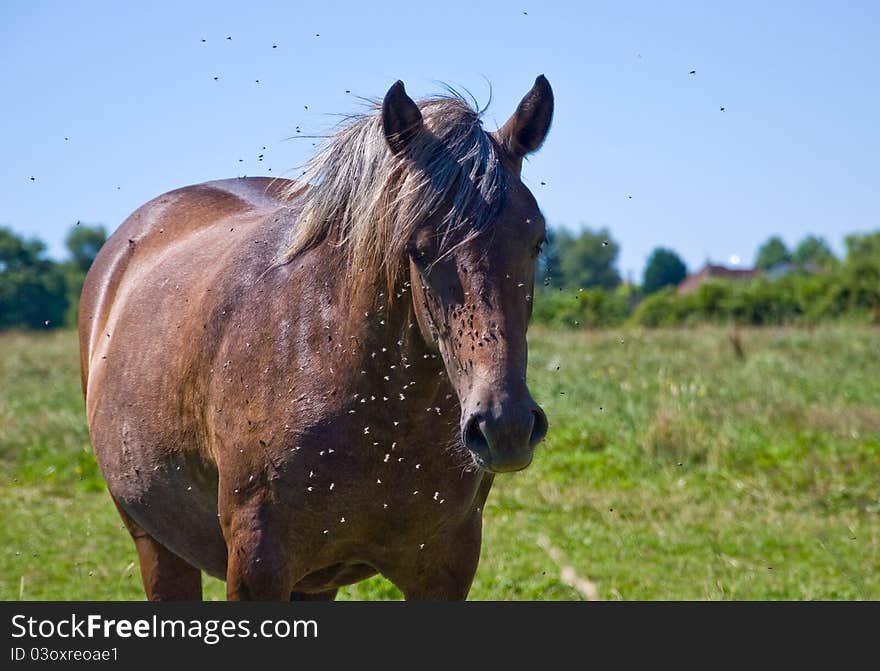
(539, 427)
(473, 436)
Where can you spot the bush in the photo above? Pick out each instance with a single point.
(659, 309)
(850, 290)
(593, 308)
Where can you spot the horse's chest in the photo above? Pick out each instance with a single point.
(382, 498)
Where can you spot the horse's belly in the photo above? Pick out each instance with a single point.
(334, 576)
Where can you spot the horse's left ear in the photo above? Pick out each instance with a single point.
(401, 118)
(525, 131)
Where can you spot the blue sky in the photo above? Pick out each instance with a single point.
(107, 105)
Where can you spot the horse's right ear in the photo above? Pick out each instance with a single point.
(401, 118)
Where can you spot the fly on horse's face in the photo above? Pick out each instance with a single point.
(473, 295)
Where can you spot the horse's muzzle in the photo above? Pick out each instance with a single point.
(503, 437)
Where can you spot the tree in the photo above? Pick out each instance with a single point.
(588, 260)
(863, 247)
(664, 268)
(547, 271)
(771, 253)
(83, 242)
(861, 272)
(813, 253)
(33, 290)
(16, 252)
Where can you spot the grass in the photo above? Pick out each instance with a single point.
(674, 469)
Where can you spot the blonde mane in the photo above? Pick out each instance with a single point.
(368, 200)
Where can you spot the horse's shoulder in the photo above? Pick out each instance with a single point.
(198, 214)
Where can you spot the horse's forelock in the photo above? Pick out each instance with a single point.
(369, 200)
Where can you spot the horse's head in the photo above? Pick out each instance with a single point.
(473, 283)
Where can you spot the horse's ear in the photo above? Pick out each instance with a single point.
(525, 131)
(401, 118)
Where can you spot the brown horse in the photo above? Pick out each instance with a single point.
(294, 386)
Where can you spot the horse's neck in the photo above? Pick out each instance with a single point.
(392, 359)
(386, 330)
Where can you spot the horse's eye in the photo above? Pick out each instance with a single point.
(538, 248)
(420, 256)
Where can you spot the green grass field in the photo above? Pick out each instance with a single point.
(674, 469)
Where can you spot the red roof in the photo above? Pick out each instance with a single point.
(691, 282)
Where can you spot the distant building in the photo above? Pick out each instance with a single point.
(710, 271)
(784, 268)
(780, 269)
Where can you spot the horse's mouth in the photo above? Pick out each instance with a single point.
(501, 465)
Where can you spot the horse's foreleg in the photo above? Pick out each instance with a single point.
(435, 588)
(166, 576)
(442, 570)
(258, 563)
